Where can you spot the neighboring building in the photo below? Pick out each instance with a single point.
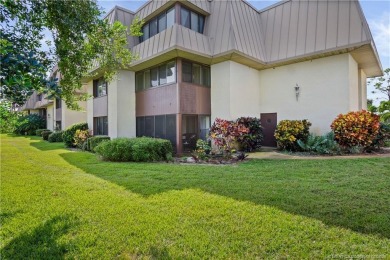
(56, 113)
(200, 60)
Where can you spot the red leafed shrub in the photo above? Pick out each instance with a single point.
(224, 133)
(356, 128)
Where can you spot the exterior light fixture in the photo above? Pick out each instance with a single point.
(297, 90)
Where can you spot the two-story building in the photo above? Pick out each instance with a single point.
(200, 60)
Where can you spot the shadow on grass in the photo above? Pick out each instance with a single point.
(46, 146)
(41, 243)
(7, 216)
(347, 193)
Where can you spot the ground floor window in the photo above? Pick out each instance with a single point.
(100, 125)
(194, 127)
(162, 126)
(58, 126)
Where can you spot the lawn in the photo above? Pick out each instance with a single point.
(57, 203)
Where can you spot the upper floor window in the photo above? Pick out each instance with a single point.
(99, 88)
(39, 97)
(196, 73)
(163, 74)
(158, 24)
(191, 20)
(58, 103)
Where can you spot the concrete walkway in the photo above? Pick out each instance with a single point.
(272, 153)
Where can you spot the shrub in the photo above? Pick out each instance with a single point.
(356, 129)
(288, 132)
(140, 149)
(202, 149)
(320, 144)
(382, 137)
(224, 133)
(55, 137)
(252, 140)
(80, 139)
(45, 134)
(38, 132)
(28, 124)
(68, 135)
(94, 141)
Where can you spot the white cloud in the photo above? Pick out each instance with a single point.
(380, 28)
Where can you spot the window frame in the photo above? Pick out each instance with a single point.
(156, 69)
(202, 78)
(156, 20)
(103, 125)
(96, 87)
(200, 17)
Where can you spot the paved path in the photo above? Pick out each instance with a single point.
(272, 153)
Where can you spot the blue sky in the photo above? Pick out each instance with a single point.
(377, 13)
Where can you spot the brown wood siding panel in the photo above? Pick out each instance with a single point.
(321, 25)
(302, 27)
(59, 114)
(157, 101)
(311, 27)
(194, 99)
(343, 23)
(293, 29)
(284, 31)
(331, 32)
(355, 31)
(100, 106)
(276, 33)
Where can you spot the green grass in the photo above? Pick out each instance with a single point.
(56, 203)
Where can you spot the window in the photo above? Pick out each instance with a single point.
(58, 126)
(39, 97)
(58, 103)
(158, 24)
(192, 20)
(100, 125)
(99, 88)
(163, 126)
(185, 17)
(156, 76)
(196, 73)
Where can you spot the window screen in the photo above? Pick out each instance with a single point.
(163, 74)
(185, 17)
(187, 72)
(170, 17)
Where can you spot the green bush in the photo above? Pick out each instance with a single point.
(288, 132)
(94, 141)
(142, 149)
(29, 124)
(55, 137)
(382, 137)
(38, 132)
(68, 135)
(325, 144)
(251, 141)
(45, 134)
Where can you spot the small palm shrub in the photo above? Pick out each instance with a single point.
(382, 137)
(252, 140)
(356, 129)
(320, 144)
(29, 124)
(68, 134)
(55, 137)
(95, 141)
(288, 132)
(140, 149)
(80, 139)
(45, 134)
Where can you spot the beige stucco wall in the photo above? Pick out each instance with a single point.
(362, 89)
(327, 87)
(70, 117)
(121, 105)
(235, 91)
(50, 117)
(89, 87)
(354, 88)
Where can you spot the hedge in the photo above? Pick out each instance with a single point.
(39, 131)
(55, 137)
(45, 134)
(68, 135)
(94, 141)
(140, 149)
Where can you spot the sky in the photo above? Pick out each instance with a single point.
(377, 13)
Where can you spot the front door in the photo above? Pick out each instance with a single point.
(268, 122)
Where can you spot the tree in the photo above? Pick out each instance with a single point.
(80, 39)
(382, 84)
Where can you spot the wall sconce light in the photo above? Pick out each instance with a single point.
(48, 115)
(297, 90)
